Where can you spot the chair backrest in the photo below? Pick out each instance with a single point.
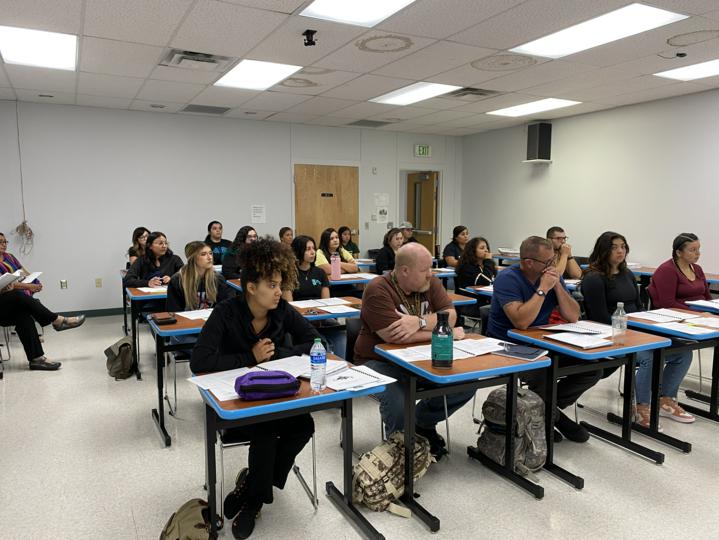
(353, 326)
(484, 317)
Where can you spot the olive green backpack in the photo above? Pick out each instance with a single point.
(190, 522)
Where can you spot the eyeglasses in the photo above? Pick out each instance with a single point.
(545, 264)
(3, 242)
(562, 238)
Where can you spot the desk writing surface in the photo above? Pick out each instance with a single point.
(235, 284)
(183, 327)
(460, 300)
(645, 324)
(322, 314)
(135, 294)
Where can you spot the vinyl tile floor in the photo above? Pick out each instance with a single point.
(80, 457)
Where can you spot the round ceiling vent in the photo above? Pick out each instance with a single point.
(384, 44)
(315, 71)
(692, 38)
(504, 62)
(296, 82)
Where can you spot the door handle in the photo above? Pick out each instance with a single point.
(420, 231)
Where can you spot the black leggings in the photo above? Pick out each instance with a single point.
(22, 311)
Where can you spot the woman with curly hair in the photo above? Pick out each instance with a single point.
(243, 332)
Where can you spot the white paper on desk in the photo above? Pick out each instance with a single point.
(572, 281)
(478, 347)
(339, 309)
(357, 378)
(305, 303)
(583, 341)
(222, 383)
(675, 315)
(685, 328)
(32, 277)
(411, 355)
(299, 366)
(649, 316)
(361, 275)
(195, 315)
(333, 301)
(711, 322)
(582, 327)
(152, 289)
(713, 304)
(487, 288)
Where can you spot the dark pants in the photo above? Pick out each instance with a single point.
(22, 311)
(273, 448)
(569, 388)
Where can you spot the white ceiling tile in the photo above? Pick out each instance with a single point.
(439, 19)
(311, 81)
(363, 110)
(221, 96)
(32, 78)
(498, 102)
(436, 58)
(292, 118)
(164, 73)
(535, 75)
(139, 21)
(531, 20)
(96, 84)
(7, 93)
(636, 84)
(367, 87)
(38, 96)
(248, 113)
(274, 101)
(282, 6)
(321, 105)
(651, 94)
(351, 57)
(400, 126)
(687, 7)
(713, 15)
(4, 81)
(118, 57)
(169, 91)
(575, 110)
(101, 101)
(50, 15)
(666, 59)
(329, 121)
(442, 116)
(440, 103)
(286, 44)
(562, 87)
(139, 105)
(227, 29)
(403, 113)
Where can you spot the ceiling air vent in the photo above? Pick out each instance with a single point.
(472, 94)
(205, 109)
(369, 123)
(196, 61)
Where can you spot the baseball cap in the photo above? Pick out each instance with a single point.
(406, 225)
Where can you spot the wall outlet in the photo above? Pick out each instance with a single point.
(98, 282)
(63, 284)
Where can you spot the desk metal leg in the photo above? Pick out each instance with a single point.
(134, 314)
(344, 501)
(124, 310)
(712, 399)
(159, 414)
(211, 473)
(625, 440)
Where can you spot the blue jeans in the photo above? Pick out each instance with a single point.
(336, 339)
(676, 366)
(428, 411)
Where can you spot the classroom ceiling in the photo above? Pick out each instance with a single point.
(459, 42)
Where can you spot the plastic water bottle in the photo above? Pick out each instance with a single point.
(442, 346)
(619, 325)
(336, 267)
(318, 365)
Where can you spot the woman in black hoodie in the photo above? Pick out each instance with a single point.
(246, 331)
(156, 266)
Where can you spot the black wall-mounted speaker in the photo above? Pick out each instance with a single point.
(539, 141)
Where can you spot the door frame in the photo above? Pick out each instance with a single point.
(407, 168)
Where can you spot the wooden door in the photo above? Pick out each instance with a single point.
(326, 196)
(422, 207)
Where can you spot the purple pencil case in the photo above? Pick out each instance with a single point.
(258, 385)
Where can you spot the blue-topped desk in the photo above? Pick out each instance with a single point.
(137, 298)
(635, 342)
(465, 374)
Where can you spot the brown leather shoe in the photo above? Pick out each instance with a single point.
(69, 322)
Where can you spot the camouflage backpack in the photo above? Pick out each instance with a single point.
(530, 443)
(190, 522)
(378, 478)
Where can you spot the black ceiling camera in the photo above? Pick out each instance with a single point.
(309, 37)
(681, 55)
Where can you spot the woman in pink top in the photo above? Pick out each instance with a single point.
(680, 278)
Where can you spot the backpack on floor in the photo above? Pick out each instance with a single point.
(378, 478)
(119, 359)
(530, 442)
(190, 522)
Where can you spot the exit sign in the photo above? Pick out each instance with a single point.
(422, 150)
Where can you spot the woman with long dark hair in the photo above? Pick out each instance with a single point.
(452, 252)
(393, 240)
(156, 266)
(137, 249)
(346, 240)
(231, 266)
(476, 268)
(330, 245)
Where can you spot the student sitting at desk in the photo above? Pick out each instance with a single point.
(243, 332)
(220, 246)
(476, 268)
(197, 285)
(9, 265)
(564, 261)
(156, 266)
(453, 251)
(137, 249)
(384, 261)
(401, 307)
(286, 236)
(231, 267)
(407, 232)
(330, 245)
(525, 294)
(608, 281)
(347, 243)
(680, 278)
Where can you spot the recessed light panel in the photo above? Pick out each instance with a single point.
(624, 22)
(36, 48)
(535, 107)
(414, 93)
(358, 12)
(690, 73)
(256, 75)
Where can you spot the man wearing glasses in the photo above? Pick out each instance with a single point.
(564, 261)
(525, 295)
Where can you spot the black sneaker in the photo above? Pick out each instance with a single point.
(244, 523)
(570, 429)
(235, 498)
(43, 364)
(557, 436)
(437, 445)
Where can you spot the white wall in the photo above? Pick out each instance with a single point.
(648, 171)
(92, 175)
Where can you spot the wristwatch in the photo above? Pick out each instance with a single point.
(422, 323)
(540, 292)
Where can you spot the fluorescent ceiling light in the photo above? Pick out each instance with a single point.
(624, 22)
(414, 93)
(256, 75)
(535, 107)
(689, 73)
(38, 49)
(359, 12)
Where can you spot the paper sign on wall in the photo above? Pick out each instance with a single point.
(381, 199)
(258, 212)
(382, 214)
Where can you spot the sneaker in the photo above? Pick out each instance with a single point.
(235, 498)
(670, 408)
(570, 429)
(557, 436)
(642, 413)
(437, 445)
(244, 523)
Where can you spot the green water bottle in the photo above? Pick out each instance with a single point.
(442, 342)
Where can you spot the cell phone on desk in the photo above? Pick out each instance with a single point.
(163, 317)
